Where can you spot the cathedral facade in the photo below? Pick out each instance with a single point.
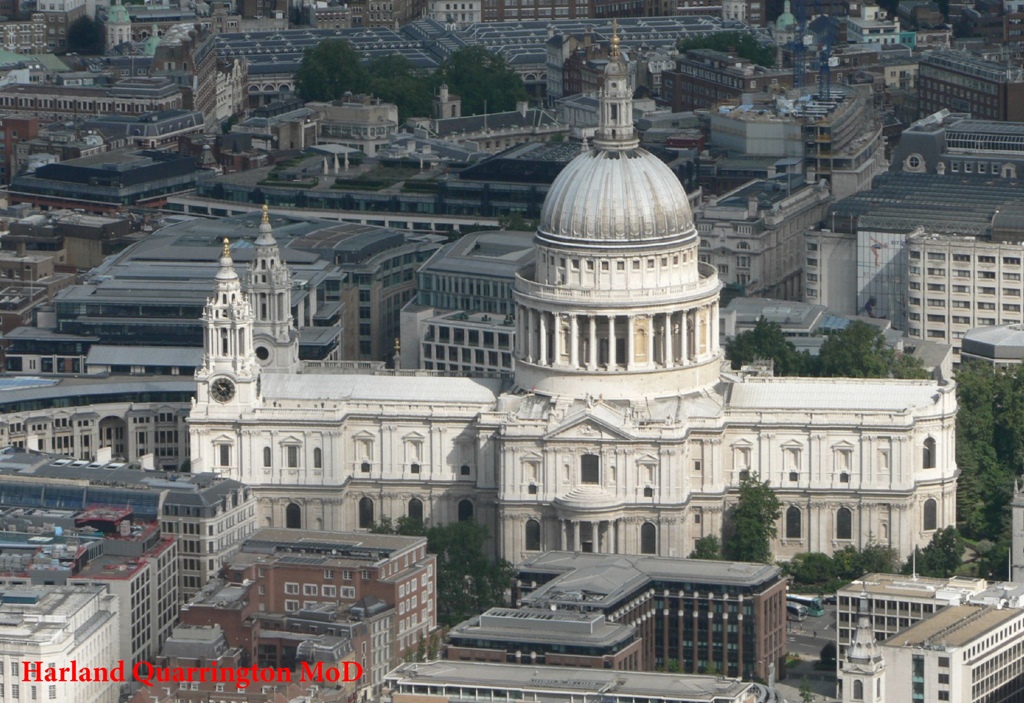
(621, 433)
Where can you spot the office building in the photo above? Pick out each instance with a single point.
(211, 516)
(746, 634)
(59, 625)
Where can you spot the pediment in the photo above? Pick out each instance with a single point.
(591, 425)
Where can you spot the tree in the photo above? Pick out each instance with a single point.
(707, 547)
(828, 654)
(752, 522)
(812, 569)
(806, 694)
(943, 556)
(858, 351)
(329, 70)
(468, 582)
(742, 44)
(483, 80)
(395, 79)
(766, 341)
(86, 36)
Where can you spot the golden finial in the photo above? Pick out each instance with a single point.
(266, 214)
(615, 38)
(227, 248)
(398, 345)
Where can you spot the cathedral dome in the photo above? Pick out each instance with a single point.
(608, 196)
(118, 14)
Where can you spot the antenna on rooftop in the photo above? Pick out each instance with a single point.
(914, 568)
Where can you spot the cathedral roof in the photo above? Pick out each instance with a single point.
(407, 388)
(839, 394)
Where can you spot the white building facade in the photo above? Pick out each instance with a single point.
(619, 434)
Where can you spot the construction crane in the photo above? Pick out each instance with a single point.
(800, 43)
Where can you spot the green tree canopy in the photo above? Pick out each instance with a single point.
(468, 581)
(481, 79)
(742, 44)
(819, 573)
(766, 341)
(752, 522)
(707, 547)
(942, 557)
(989, 447)
(87, 36)
(860, 351)
(329, 70)
(394, 78)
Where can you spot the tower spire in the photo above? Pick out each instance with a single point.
(615, 124)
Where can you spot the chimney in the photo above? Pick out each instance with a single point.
(752, 206)
(522, 106)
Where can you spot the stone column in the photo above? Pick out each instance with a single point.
(630, 341)
(650, 339)
(592, 356)
(574, 342)
(531, 341)
(669, 353)
(543, 340)
(714, 328)
(556, 331)
(563, 529)
(684, 347)
(576, 536)
(612, 530)
(612, 360)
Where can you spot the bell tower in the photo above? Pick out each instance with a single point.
(269, 285)
(863, 675)
(229, 374)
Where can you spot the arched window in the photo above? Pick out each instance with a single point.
(844, 524)
(930, 514)
(532, 536)
(365, 513)
(318, 458)
(793, 519)
(648, 538)
(465, 510)
(416, 509)
(928, 454)
(858, 690)
(266, 457)
(293, 517)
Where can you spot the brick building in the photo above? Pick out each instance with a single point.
(13, 131)
(286, 586)
(959, 82)
(705, 77)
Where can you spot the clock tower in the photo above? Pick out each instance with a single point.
(269, 285)
(230, 375)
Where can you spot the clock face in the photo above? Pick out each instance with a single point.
(222, 390)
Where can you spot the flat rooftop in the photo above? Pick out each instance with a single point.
(954, 627)
(953, 590)
(601, 580)
(548, 682)
(495, 254)
(536, 625)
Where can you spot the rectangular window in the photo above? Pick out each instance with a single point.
(225, 454)
(309, 589)
(293, 457)
(292, 589)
